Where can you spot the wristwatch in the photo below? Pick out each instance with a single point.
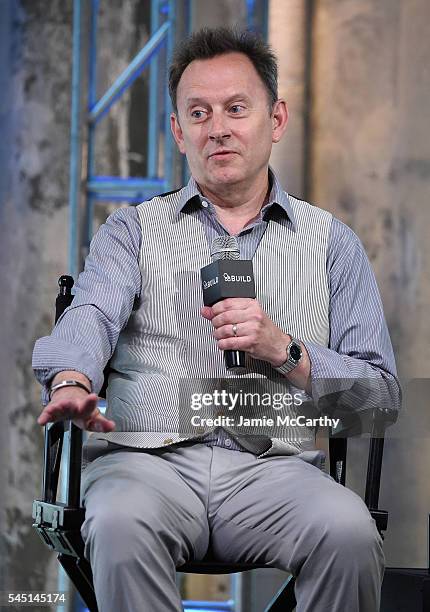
(294, 355)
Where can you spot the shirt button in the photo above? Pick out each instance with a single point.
(204, 204)
(227, 442)
(168, 441)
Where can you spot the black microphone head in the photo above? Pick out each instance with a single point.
(225, 247)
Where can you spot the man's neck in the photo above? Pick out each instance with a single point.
(236, 208)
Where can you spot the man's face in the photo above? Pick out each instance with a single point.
(224, 125)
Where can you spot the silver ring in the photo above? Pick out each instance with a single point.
(234, 327)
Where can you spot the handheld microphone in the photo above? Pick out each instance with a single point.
(227, 276)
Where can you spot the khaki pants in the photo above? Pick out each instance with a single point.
(148, 512)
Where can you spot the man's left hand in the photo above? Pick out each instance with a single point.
(256, 334)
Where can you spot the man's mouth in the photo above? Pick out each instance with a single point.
(222, 153)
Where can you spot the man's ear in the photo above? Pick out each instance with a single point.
(177, 132)
(279, 119)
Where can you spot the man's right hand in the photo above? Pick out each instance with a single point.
(75, 404)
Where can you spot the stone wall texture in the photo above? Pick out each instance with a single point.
(35, 74)
(370, 166)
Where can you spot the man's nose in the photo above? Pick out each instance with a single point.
(218, 128)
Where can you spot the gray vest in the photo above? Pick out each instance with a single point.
(167, 351)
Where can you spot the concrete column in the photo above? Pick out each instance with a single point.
(33, 249)
(288, 37)
(370, 166)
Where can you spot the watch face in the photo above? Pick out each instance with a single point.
(295, 352)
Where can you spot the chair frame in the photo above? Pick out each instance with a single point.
(58, 523)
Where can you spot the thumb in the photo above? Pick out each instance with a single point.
(207, 312)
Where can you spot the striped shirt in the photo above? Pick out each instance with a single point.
(85, 336)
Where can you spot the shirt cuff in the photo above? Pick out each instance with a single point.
(329, 372)
(52, 355)
(351, 389)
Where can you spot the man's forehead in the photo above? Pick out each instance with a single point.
(192, 96)
(236, 72)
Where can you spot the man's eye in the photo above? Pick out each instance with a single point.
(197, 114)
(236, 109)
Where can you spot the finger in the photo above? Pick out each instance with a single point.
(67, 409)
(56, 412)
(230, 317)
(82, 407)
(100, 424)
(233, 304)
(226, 331)
(207, 312)
(43, 418)
(235, 344)
(89, 404)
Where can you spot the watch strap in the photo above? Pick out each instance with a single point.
(290, 363)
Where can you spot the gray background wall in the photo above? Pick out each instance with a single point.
(356, 76)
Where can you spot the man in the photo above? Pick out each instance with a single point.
(154, 498)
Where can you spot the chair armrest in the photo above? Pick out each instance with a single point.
(54, 444)
(372, 423)
(54, 437)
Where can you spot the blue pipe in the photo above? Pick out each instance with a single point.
(265, 20)
(134, 190)
(250, 16)
(74, 192)
(153, 125)
(185, 171)
(257, 16)
(75, 142)
(208, 606)
(92, 97)
(105, 184)
(129, 75)
(168, 139)
(198, 606)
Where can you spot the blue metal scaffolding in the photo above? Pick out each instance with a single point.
(111, 188)
(134, 190)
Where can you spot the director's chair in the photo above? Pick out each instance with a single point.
(58, 523)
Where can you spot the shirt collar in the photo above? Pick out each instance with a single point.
(277, 196)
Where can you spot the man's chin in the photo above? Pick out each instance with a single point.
(226, 176)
